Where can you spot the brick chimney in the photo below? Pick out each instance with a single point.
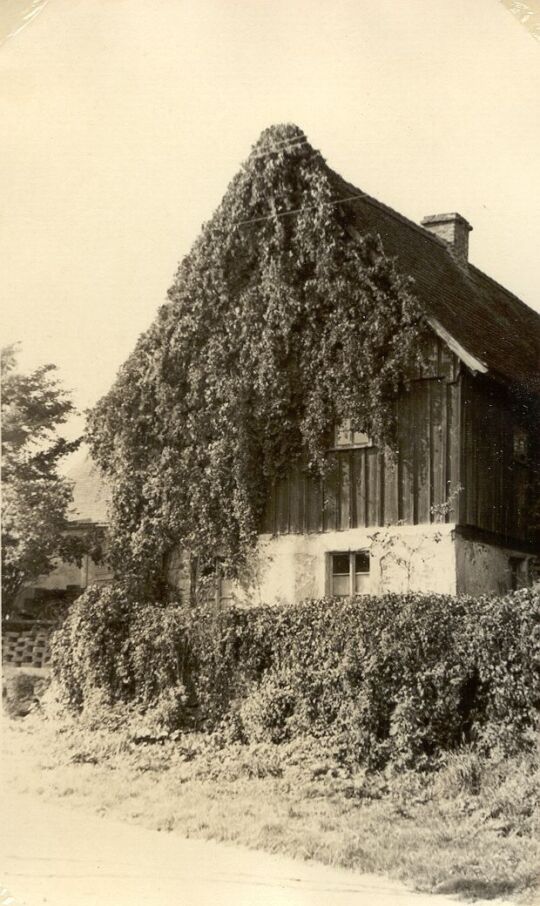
(454, 229)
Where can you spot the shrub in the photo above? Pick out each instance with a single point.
(267, 710)
(21, 692)
(401, 679)
(115, 647)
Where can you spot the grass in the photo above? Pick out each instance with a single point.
(470, 829)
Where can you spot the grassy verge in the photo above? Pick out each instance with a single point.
(472, 828)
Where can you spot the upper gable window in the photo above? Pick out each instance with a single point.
(344, 436)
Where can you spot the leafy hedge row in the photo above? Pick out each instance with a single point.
(401, 678)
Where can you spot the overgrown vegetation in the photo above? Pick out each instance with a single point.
(470, 828)
(401, 680)
(392, 735)
(281, 322)
(21, 691)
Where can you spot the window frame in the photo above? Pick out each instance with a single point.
(351, 554)
(214, 575)
(345, 427)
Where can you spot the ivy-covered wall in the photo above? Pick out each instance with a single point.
(281, 322)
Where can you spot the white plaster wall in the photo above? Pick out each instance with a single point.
(290, 568)
(485, 568)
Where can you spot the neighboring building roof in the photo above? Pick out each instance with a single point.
(488, 321)
(91, 496)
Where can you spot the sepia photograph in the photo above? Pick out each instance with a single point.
(270, 475)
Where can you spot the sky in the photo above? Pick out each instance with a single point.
(123, 121)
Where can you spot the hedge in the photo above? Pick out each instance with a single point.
(398, 678)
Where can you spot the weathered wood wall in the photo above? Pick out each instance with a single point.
(498, 489)
(455, 431)
(368, 487)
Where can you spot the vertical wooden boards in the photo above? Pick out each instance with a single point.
(425, 423)
(438, 431)
(375, 489)
(406, 434)
(486, 464)
(505, 476)
(455, 430)
(391, 489)
(453, 455)
(314, 504)
(282, 506)
(331, 495)
(344, 490)
(521, 483)
(496, 485)
(468, 452)
(359, 499)
(269, 516)
(422, 459)
(446, 363)
(453, 452)
(296, 500)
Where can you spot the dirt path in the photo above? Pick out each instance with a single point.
(54, 855)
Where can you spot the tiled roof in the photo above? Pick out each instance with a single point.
(487, 320)
(91, 495)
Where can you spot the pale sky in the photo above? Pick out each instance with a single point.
(123, 121)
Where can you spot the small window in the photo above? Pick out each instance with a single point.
(211, 579)
(349, 574)
(344, 436)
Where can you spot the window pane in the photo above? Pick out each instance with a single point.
(343, 433)
(341, 585)
(362, 562)
(361, 584)
(340, 564)
(360, 439)
(226, 591)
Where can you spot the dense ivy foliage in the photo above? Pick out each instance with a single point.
(401, 679)
(281, 321)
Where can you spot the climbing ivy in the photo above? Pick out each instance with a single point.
(280, 322)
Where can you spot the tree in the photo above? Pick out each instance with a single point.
(35, 498)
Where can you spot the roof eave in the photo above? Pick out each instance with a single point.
(471, 361)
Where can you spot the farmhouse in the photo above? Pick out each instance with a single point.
(241, 435)
(456, 510)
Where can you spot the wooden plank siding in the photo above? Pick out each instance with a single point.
(369, 487)
(497, 488)
(454, 463)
